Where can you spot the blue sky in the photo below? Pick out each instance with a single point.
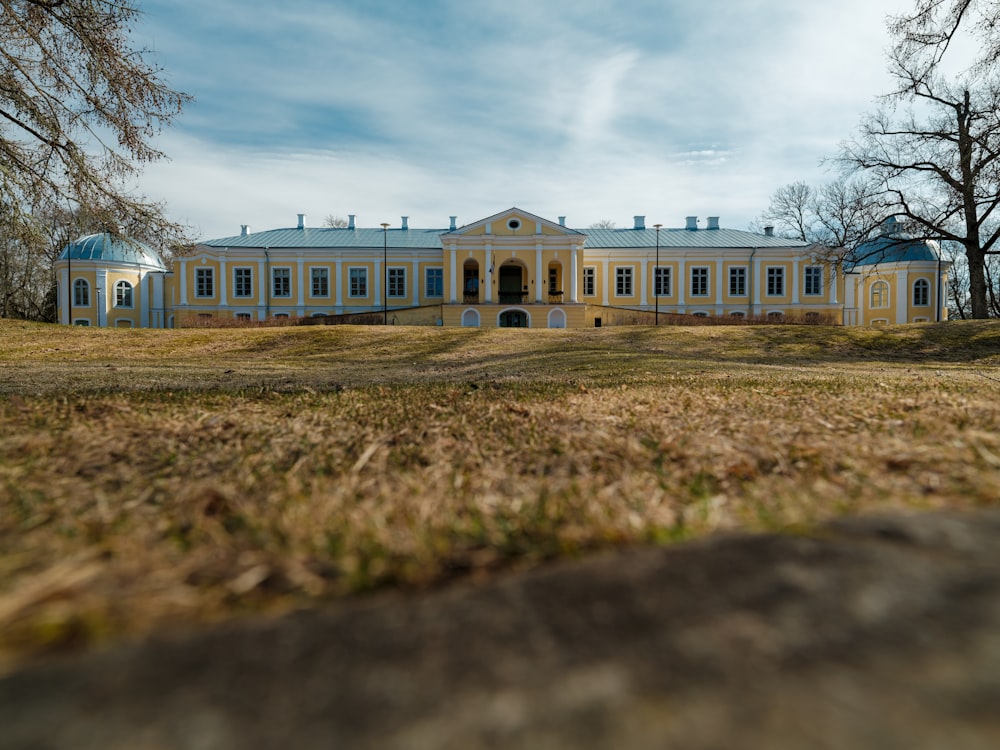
(593, 110)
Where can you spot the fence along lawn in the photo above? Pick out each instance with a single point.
(153, 480)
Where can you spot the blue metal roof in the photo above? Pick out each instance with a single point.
(893, 249)
(320, 237)
(106, 248)
(684, 238)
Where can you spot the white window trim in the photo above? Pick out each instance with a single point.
(805, 279)
(427, 275)
(388, 281)
(592, 270)
(204, 273)
(708, 281)
(236, 285)
(274, 270)
(364, 273)
(780, 273)
(631, 280)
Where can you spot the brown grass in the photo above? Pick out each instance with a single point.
(159, 479)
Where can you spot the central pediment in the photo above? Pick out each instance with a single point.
(514, 222)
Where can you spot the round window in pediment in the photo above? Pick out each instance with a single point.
(513, 224)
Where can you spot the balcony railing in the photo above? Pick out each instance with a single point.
(512, 298)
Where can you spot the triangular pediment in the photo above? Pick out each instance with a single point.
(513, 222)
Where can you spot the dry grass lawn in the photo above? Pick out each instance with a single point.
(152, 480)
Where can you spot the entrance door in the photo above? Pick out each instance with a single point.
(513, 319)
(510, 284)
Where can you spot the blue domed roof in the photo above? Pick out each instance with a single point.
(111, 250)
(893, 245)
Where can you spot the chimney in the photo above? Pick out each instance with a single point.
(350, 221)
(640, 222)
(713, 222)
(406, 222)
(562, 221)
(243, 229)
(302, 221)
(692, 222)
(453, 219)
(889, 226)
(769, 231)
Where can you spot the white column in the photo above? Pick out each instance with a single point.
(415, 266)
(302, 287)
(488, 298)
(833, 283)
(643, 280)
(453, 276)
(338, 273)
(755, 292)
(377, 287)
(143, 292)
(573, 273)
(541, 283)
(262, 290)
(223, 293)
(66, 298)
(795, 281)
(183, 284)
(608, 281)
(902, 296)
(681, 283)
(718, 287)
(101, 297)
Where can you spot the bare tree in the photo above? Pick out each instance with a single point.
(603, 224)
(926, 34)
(335, 222)
(79, 111)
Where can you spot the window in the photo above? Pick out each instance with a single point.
(553, 281)
(204, 282)
(880, 295)
(623, 282)
(358, 282)
(281, 316)
(661, 282)
(814, 280)
(81, 322)
(775, 282)
(320, 282)
(397, 282)
(738, 282)
(699, 282)
(81, 294)
(123, 294)
(921, 293)
(775, 315)
(434, 282)
(281, 282)
(243, 282)
(589, 282)
(739, 315)
(243, 317)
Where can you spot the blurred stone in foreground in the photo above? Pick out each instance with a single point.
(868, 633)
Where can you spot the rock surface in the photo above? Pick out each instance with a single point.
(866, 633)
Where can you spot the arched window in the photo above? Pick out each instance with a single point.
(123, 294)
(81, 293)
(880, 295)
(921, 293)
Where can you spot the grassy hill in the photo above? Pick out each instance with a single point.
(152, 480)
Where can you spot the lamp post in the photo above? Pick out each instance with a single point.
(656, 274)
(385, 274)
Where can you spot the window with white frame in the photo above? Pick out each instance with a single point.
(123, 294)
(814, 281)
(699, 282)
(737, 281)
(358, 282)
(775, 282)
(397, 282)
(553, 280)
(243, 282)
(204, 282)
(243, 317)
(921, 293)
(589, 281)
(81, 293)
(623, 281)
(434, 282)
(320, 285)
(661, 282)
(281, 282)
(879, 295)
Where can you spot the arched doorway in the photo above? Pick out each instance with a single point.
(557, 319)
(470, 319)
(470, 282)
(513, 319)
(511, 284)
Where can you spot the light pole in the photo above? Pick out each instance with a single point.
(656, 274)
(385, 274)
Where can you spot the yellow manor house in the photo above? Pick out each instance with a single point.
(513, 269)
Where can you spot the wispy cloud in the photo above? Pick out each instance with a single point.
(592, 110)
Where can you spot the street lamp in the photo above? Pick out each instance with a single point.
(385, 274)
(656, 274)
